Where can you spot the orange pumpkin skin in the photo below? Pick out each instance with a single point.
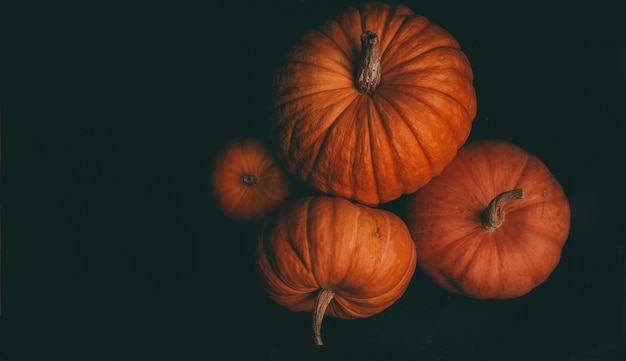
(247, 181)
(372, 145)
(446, 221)
(365, 255)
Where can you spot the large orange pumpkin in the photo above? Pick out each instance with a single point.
(492, 224)
(372, 104)
(334, 257)
(247, 181)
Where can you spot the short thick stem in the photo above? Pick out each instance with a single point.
(319, 309)
(368, 73)
(493, 216)
(251, 180)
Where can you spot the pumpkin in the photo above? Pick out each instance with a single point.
(372, 104)
(492, 224)
(330, 256)
(247, 181)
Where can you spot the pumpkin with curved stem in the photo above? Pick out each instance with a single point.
(247, 181)
(492, 224)
(334, 257)
(372, 104)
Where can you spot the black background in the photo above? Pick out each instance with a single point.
(113, 250)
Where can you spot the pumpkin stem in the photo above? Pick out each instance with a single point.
(369, 73)
(319, 309)
(251, 180)
(493, 216)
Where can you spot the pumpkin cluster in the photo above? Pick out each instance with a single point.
(375, 104)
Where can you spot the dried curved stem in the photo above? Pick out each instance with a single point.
(319, 309)
(493, 216)
(368, 72)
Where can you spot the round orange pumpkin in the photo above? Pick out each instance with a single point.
(335, 257)
(372, 104)
(492, 224)
(247, 181)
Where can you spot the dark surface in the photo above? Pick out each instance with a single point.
(113, 250)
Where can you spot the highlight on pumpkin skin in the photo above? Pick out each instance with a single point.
(492, 224)
(247, 182)
(332, 257)
(372, 104)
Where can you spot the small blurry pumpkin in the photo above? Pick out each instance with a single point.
(372, 104)
(492, 224)
(247, 181)
(334, 257)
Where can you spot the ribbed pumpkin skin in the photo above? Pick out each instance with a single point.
(372, 148)
(366, 255)
(243, 202)
(458, 253)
